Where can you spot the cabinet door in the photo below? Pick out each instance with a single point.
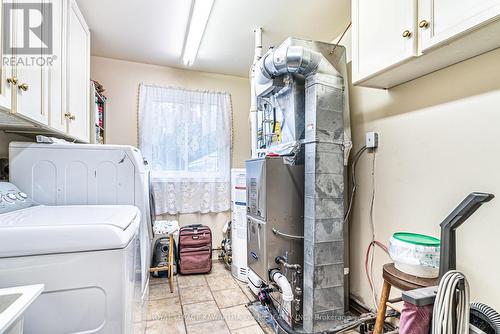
(383, 35)
(78, 82)
(442, 20)
(31, 102)
(57, 72)
(5, 71)
(31, 76)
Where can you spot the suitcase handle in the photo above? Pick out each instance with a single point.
(194, 225)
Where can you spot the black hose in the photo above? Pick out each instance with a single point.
(485, 318)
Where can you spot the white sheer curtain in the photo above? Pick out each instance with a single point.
(186, 137)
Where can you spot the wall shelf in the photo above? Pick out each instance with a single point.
(98, 119)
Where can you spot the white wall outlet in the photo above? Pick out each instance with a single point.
(371, 140)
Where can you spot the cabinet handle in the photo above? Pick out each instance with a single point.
(70, 116)
(407, 33)
(424, 24)
(12, 81)
(24, 87)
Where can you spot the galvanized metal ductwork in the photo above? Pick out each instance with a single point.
(307, 59)
(325, 145)
(324, 235)
(288, 59)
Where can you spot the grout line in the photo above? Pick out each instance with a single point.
(199, 302)
(201, 322)
(249, 302)
(218, 308)
(197, 286)
(242, 288)
(182, 306)
(222, 315)
(243, 291)
(256, 323)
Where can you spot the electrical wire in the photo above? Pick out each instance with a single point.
(370, 256)
(448, 319)
(372, 226)
(372, 200)
(353, 180)
(374, 291)
(369, 269)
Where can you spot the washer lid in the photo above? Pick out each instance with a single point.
(65, 229)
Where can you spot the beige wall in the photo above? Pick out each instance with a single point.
(121, 80)
(439, 141)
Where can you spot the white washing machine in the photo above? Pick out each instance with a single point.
(86, 256)
(86, 174)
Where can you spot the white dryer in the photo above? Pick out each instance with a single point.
(86, 256)
(87, 174)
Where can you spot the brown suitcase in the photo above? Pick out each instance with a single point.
(195, 249)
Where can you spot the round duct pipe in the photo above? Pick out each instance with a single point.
(287, 59)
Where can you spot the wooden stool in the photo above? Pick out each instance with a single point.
(169, 268)
(398, 279)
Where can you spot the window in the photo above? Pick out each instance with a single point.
(186, 137)
(195, 151)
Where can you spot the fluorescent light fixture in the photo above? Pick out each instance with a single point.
(197, 24)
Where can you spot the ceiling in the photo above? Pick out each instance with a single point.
(153, 31)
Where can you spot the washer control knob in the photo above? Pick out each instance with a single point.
(23, 195)
(7, 199)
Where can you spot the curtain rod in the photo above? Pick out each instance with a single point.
(183, 88)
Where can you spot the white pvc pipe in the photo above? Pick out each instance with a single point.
(253, 97)
(258, 44)
(253, 118)
(286, 288)
(286, 295)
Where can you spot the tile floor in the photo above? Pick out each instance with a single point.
(213, 303)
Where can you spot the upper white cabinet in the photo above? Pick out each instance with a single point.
(47, 86)
(78, 74)
(29, 99)
(57, 72)
(6, 75)
(397, 41)
(374, 53)
(441, 20)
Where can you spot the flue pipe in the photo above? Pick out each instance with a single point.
(253, 96)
